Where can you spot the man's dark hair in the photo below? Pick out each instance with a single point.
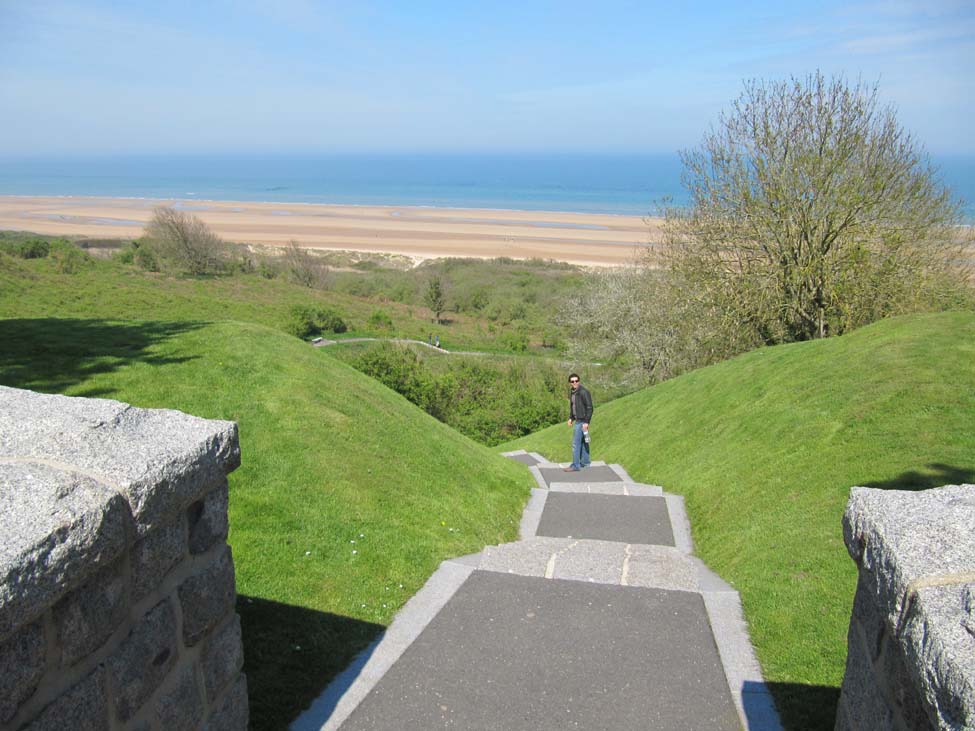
(574, 375)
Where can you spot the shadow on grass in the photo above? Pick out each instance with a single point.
(51, 355)
(936, 475)
(291, 654)
(805, 707)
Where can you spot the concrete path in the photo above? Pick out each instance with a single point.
(600, 617)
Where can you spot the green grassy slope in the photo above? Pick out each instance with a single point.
(348, 496)
(108, 289)
(765, 449)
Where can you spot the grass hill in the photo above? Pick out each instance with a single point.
(765, 448)
(348, 496)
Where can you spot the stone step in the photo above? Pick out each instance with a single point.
(608, 488)
(602, 562)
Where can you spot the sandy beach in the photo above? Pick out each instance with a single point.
(419, 232)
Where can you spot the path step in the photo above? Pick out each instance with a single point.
(598, 473)
(602, 562)
(600, 617)
(513, 652)
(608, 488)
(621, 518)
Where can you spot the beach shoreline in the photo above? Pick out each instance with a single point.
(421, 232)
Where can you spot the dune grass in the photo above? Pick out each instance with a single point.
(765, 449)
(348, 496)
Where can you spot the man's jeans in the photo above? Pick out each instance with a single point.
(580, 448)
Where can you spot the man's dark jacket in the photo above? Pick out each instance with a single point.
(583, 405)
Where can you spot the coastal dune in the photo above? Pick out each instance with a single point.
(420, 232)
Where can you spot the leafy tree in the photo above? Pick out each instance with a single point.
(184, 241)
(434, 297)
(813, 212)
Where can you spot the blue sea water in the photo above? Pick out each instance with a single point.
(623, 184)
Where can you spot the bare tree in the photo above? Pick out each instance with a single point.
(303, 268)
(184, 241)
(813, 212)
(643, 318)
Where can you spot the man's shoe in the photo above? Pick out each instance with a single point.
(570, 469)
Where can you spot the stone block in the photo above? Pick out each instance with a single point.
(141, 662)
(21, 668)
(57, 526)
(160, 460)
(153, 556)
(207, 597)
(940, 653)
(180, 706)
(85, 618)
(207, 518)
(83, 708)
(863, 703)
(232, 713)
(900, 687)
(901, 537)
(223, 657)
(872, 623)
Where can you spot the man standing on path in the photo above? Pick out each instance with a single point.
(580, 412)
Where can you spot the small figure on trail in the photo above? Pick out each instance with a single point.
(437, 342)
(430, 338)
(580, 413)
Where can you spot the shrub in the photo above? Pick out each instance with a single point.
(68, 258)
(145, 257)
(303, 268)
(185, 242)
(125, 255)
(306, 321)
(516, 342)
(267, 269)
(34, 249)
(381, 320)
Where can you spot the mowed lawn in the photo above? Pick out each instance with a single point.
(348, 496)
(765, 448)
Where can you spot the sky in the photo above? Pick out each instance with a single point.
(298, 76)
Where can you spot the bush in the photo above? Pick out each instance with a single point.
(184, 242)
(34, 249)
(267, 269)
(145, 257)
(381, 320)
(125, 255)
(305, 321)
(489, 402)
(517, 342)
(303, 268)
(68, 258)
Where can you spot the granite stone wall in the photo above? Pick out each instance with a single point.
(911, 644)
(116, 581)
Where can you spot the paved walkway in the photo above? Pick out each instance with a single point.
(600, 617)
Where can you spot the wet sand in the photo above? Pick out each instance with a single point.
(418, 232)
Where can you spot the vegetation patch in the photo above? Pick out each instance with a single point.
(765, 449)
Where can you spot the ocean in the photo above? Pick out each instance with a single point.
(622, 184)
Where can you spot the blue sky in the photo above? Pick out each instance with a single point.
(302, 76)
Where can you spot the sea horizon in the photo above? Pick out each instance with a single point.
(635, 184)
